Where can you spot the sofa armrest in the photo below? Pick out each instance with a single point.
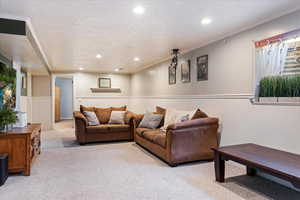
(79, 116)
(137, 119)
(80, 126)
(193, 123)
(192, 140)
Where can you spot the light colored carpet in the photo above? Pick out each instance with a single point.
(117, 171)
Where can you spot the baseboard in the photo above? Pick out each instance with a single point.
(66, 118)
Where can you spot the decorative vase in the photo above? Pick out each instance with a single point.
(6, 128)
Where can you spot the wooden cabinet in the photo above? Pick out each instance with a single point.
(22, 145)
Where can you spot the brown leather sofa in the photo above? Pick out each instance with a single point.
(182, 142)
(104, 131)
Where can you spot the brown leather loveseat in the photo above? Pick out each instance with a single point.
(182, 142)
(104, 131)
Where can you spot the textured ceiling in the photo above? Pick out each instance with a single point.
(19, 49)
(71, 33)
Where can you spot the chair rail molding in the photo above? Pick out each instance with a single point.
(210, 96)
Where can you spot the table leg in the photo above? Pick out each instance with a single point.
(296, 184)
(219, 167)
(251, 171)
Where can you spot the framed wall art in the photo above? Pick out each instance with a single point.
(202, 68)
(186, 71)
(172, 75)
(104, 83)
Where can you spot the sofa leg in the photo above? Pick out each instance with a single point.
(173, 164)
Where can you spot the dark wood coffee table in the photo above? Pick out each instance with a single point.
(281, 164)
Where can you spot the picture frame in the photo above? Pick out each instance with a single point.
(202, 68)
(186, 71)
(23, 83)
(172, 75)
(104, 83)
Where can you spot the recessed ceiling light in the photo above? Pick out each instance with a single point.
(205, 21)
(98, 56)
(80, 68)
(139, 10)
(136, 59)
(118, 69)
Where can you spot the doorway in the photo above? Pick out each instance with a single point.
(63, 99)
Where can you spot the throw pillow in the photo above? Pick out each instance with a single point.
(103, 114)
(91, 118)
(170, 118)
(199, 114)
(89, 109)
(175, 116)
(117, 117)
(151, 120)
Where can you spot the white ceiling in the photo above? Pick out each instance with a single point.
(19, 49)
(71, 33)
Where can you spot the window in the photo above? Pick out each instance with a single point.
(278, 67)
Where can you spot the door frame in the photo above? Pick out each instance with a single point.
(53, 79)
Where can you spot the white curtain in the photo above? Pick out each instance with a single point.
(270, 61)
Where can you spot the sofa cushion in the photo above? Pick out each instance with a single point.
(123, 108)
(118, 127)
(199, 114)
(140, 131)
(156, 136)
(89, 109)
(97, 129)
(103, 114)
(108, 128)
(128, 116)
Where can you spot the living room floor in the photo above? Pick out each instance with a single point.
(123, 170)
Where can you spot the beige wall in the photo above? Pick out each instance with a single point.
(85, 81)
(83, 95)
(231, 64)
(41, 86)
(226, 94)
(42, 101)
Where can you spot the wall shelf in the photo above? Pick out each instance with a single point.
(106, 90)
(274, 101)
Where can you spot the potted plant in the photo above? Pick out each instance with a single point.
(7, 118)
(283, 89)
(267, 86)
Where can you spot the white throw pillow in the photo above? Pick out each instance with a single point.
(117, 117)
(91, 118)
(176, 116)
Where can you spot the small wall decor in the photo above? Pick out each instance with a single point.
(186, 71)
(202, 68)
(173, 67)
(104, 83)
(24, 83)
(172, 75)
